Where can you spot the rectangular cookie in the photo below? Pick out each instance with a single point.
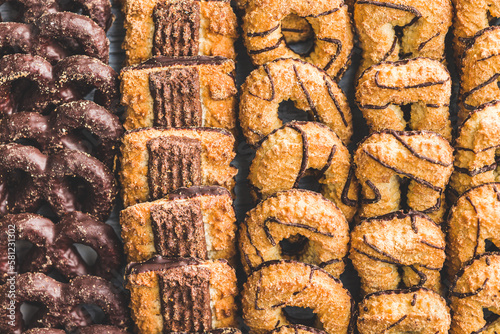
(189, 222)
(155, 161)
(180, 92)
(178, 28)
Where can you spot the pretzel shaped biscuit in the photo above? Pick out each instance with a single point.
(424, 83)
(383, 158)
(396, 29)
(480, 71)
(287, 154)
(475, 290)
(475, 149)
(330, 21)
(411, 241)
(287, 214)
(404, 311)
(310, 89)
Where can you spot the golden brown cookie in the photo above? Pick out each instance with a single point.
(156, 161)
(319, 224)
(475, 150)
(310, 88)
(329, 19)
(301, 148)
(475, 292)
(167, 292)
(416, 310)
(278, 284)
(473, 221)
(384, 158)
(424, 83)
(410, 242)
(180, 92)
(189, 222)
(480, 71)
(397, 29)
(296, 329)
(177, 28)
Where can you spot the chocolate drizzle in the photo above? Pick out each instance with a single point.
(476, 171)
(305, 152)
(393, 6)
(263, 33)
(469, 294)
(375, 190)
(195, 191)
(475, 89)
(307, 95)
(269, 48)
(345, 191)
(423, 44)
(396, 323)
(332, 96)
(271, 82)
(420, 85)
(337, 52)
(328, 162)
(478, 228)
(328, 12)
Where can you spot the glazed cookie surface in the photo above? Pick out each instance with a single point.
(424, 83)
(422, 24)
(177, 28)
(310, 89)
(296, 149)
(286, 215)
(384, 158)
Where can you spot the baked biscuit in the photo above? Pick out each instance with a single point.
(384, 158)
(180, 92)
(298, 149)
(181, 295)
(278, 284)
(156, 161)
(176, 28)
(412, 242)
(189, 222)
(475, 150)
(416, 310)
(397, 29)
(330, 21)
(473, 293)
(296, 329)
(286, 215)
(424, 83)
(311, 90)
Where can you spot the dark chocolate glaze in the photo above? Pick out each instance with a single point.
(269, 48)
(414, 300)
(431, 245)
(328, 12)
(423, 44)
(337, 52)
(435, 207)
(393, 6)
(159, 263)
(375, 190)
(305, 152)
(488, 57)
(307, 95)
(476, 171)
(468, 294)
(264, 33)
(345, 191)
(296, 225)
(465, 95)
(328, 162)
(421, 85)
(334, 99)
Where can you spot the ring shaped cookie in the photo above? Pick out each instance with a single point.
(310, 89)
(410, 241)
(475, 289)
(278, 284)
(288, 214)
(473, 221)
(333, 37)
(383, 158)
(476, 149)
(395, 29)
(298, 148)
(416, 310)
(480, 71)
(424, 83)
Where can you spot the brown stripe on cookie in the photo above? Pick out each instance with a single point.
(177, 28)
(185, 299)
(174, 162)
(179, 230)
(176, 97)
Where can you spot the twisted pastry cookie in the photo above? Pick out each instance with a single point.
(156, 161)
(473, 221)
(424, 83)
(298, 148)
(47, 37)
(471, 17)
(396, 29)
(60, 302)
(416, 310)
(410, 241)
(286, 215)
(180, 92)
(310, 89)
(176, 28)
(190, 222)
(330, 21)
(474, 291)
(383, 158)
(278, 284)
(475, 149)
(480, 71)
(166, 292)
